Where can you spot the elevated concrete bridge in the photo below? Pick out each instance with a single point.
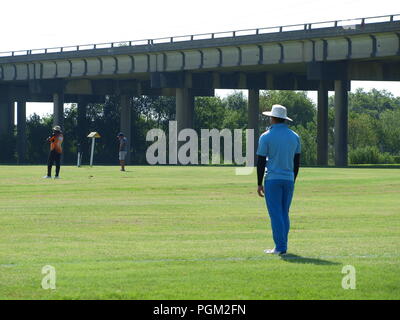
(314, 56)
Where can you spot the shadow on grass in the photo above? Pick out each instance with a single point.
(293, 258)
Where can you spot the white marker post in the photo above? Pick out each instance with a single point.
(79, 159)
(93, 135)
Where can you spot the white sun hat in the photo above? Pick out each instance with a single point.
(277, 111)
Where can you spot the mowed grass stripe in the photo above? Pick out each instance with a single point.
(195, 232)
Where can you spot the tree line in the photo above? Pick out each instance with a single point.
(374, 131)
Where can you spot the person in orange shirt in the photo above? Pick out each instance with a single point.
(55, 152)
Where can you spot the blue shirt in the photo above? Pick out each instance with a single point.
(279, 144)
(123, 144)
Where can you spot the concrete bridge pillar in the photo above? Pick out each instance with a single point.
(82, 124)
(184, 109)
(7, 130)
(253, 115)
(322, 124)
(6, 117)
(341, 122)
(21, 131)
(58, 109)
(125, 122)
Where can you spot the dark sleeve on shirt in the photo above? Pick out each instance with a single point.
(261, 162)
(296, 165)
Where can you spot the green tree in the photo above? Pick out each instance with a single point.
(362, 130)
(38, 130)
(149, 112)
(308, 138)
(209, 113)
(299, 106)
(374, 102)
(236, 101)
(373, 121)
(235, 111)
(390, 131)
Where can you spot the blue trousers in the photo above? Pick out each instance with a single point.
(278, 197)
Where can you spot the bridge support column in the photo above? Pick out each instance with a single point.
(7, 131)
(253, 115)
(184, 109)
(82, 124)
(21, 131)
(58, 110)
(322, 124)
(6, 117)
(341, 122)
(126, 123)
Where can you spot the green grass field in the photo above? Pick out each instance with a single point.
(195, 233)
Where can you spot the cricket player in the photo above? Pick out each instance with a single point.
(55, 140)
(278, 160)
(123, 149)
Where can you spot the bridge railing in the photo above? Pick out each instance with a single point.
(346, 24)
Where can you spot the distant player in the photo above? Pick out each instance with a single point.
(123, 149)
(55, 141)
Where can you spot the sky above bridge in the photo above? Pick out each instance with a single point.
(27, 24)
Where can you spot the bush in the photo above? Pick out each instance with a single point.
(370, 155)
(396, 159)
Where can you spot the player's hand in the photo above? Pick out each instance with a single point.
(260, 191)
